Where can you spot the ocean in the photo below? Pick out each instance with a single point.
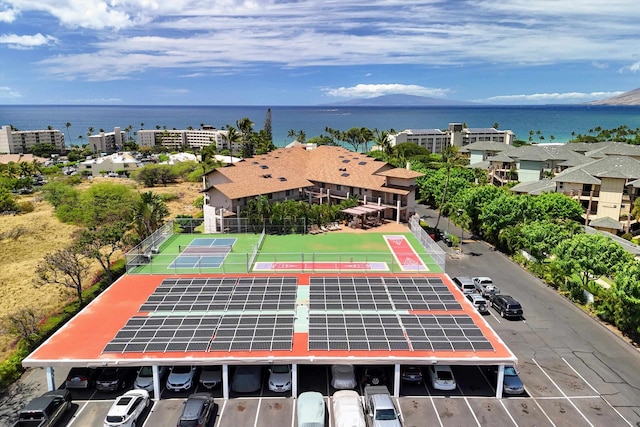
(557, 120)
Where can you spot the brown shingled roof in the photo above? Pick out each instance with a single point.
(296, 167)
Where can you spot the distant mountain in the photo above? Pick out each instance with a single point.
(401, 101)
(628, 98)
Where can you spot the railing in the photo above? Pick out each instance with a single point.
(432, 248)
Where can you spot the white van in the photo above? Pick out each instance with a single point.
(465, 284)
(347, 409)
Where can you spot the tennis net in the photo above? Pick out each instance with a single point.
(217, 249)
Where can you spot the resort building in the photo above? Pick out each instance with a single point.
(187, 138)
(117, 164)
(435, 140)
(604, 177)
(325, 174)
(22, 141)
(107, 142)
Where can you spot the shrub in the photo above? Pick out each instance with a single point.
(25, 207)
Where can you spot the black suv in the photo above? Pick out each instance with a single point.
(199, 410)
(507, 306)
(374, 376)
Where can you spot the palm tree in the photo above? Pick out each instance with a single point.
(232, 137)
(449, 157)
(382, 141)
(353, 137)
(68, 125)
(245, 126)
(301, 137)
(148, 214)
(291, 134)
(365, 136)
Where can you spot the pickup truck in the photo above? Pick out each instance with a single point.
(46, 410)
(379, 407)
(485, 286)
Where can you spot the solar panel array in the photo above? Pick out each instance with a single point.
(223, 294)
(380, 293)
(213, 314)
(243, 314)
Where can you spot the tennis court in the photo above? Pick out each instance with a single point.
(369, 252)
(203, 253)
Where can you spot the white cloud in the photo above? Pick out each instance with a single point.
(15, 41)
(373, 90)
(600, 65)
(633, 68)
(8, 15)
(554, 98)
(7, 92)
(216, 36)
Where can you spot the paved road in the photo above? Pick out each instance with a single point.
(556, 336)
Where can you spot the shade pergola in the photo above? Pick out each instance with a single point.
(363, 209)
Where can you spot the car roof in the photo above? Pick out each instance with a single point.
(124, 402)
(194, 404)
(475, 297)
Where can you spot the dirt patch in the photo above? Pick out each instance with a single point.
(26, 239)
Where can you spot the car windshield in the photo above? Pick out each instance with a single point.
(146, 371)
(181, 369)
(510, 371)
(280, 369)
(115, 419)
(444, 375)
(385, 415)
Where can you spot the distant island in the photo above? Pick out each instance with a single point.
(399, 100)
(628, 98)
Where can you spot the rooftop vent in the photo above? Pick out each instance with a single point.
(345, 174)
(346, 161)
(342, 169)
(264, 166)
(362, 163)
(266, 175)
(282, 178)
(255, 163)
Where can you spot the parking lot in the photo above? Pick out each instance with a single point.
(556, 395)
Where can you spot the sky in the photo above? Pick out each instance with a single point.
(313, 52)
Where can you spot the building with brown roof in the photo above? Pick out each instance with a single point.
(325, 174)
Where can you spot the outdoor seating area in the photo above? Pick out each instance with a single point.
(319, 229)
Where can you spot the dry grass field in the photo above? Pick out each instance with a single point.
(26, 239)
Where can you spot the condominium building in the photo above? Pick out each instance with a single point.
(325, 174)
(435, 140)
(107, 142)
(187, 138)
(22, 141)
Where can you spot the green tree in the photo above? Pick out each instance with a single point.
(65, 267)
(106, 203)
(149, 213)
(267, 125)
(449, 155)
(590, 256)
(102, 243)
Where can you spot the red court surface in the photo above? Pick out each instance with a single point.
(82, 340)
(404, 253)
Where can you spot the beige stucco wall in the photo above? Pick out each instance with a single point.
(610, 197)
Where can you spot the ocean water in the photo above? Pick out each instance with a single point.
(557, 120)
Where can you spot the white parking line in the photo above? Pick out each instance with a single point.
(563, 393)
(507, 411)
(599, 395)
(470, 408)
(329, 410)
(436, 410)
(255, 424)
(75, 416)
(224, 405)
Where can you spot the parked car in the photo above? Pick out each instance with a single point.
(46, 410)
(246, 379)
(126, 410)
(441, 377)
(144, 380)
(411, 374)
(280, 378)
(343, 377)
(181, 378)
(112, 379)
(310, 409)
(484, 285)
(347, 409)
(507, 306)
(198, 411)
(374, 375)
(80, 378)
(478, 302)
(511, 383)
(465, 284)
(210, 376)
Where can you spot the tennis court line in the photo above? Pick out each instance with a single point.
(321, 266)
(404, 253)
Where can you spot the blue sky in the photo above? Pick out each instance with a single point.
(288, 52)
